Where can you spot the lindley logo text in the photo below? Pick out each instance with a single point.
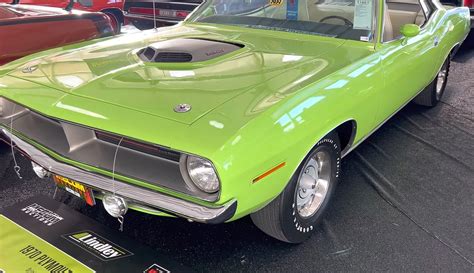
(97, 245)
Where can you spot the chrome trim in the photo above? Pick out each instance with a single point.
(29, 69)
(147, 209)
(375, 24)
(183, 168)
(160, 201)
(175, 3)
(159, 19)
(183, 108)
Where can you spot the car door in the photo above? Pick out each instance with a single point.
(409, 65)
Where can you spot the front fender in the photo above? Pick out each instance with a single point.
(287, 131)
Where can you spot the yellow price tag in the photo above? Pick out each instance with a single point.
(275, 3)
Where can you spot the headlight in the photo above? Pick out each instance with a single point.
(6, 108)
(202, 174)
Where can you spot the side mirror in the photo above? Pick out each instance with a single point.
(410, 30)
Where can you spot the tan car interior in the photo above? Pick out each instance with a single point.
(397, 14)
(401, 12)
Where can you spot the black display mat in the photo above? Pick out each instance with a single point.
(59, 225)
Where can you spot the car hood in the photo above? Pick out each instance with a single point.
(8, 12)
(110, 71)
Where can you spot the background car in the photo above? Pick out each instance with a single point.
(26, 29)
(140, 12)
(462, 3)
(113, 8)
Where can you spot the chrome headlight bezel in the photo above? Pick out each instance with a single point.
(192, 179)
(3, 103)
(9, 109)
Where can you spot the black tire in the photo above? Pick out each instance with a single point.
(116, 21)
(280, 218)
(430, 95)
(469, 43)
(3, 147)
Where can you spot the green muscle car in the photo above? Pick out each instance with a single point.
(245, 108)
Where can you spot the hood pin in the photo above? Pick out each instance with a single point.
(29, 69)
(182, 108)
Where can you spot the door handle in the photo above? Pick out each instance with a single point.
(436, 41)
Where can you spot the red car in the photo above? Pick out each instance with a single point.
(113, 8)
(26, 29)
(462, 3)
(141, 14)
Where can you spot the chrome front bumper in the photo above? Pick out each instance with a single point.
(134, 194)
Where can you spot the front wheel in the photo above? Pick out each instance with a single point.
(115, 21)
(435, 90)
(293, 216)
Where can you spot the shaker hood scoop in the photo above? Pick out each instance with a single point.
(185, 50)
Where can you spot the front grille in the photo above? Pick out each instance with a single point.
(135, 159)
(139, 146)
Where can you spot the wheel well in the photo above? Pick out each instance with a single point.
(346, 133)
(454, 50)
(118, 13)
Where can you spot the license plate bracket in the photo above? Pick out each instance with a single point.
(75, 188)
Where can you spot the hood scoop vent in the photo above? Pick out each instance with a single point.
(186, 50)
(173, 57)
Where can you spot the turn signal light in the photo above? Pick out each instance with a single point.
(267, 173)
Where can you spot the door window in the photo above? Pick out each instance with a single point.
(401, 12)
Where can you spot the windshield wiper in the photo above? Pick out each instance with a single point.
(287, 30)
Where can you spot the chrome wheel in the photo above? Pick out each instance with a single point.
(440, 82)
(313, 184)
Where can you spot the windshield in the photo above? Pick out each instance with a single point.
(346, 19)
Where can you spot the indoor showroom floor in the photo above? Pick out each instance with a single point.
(405, 203)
